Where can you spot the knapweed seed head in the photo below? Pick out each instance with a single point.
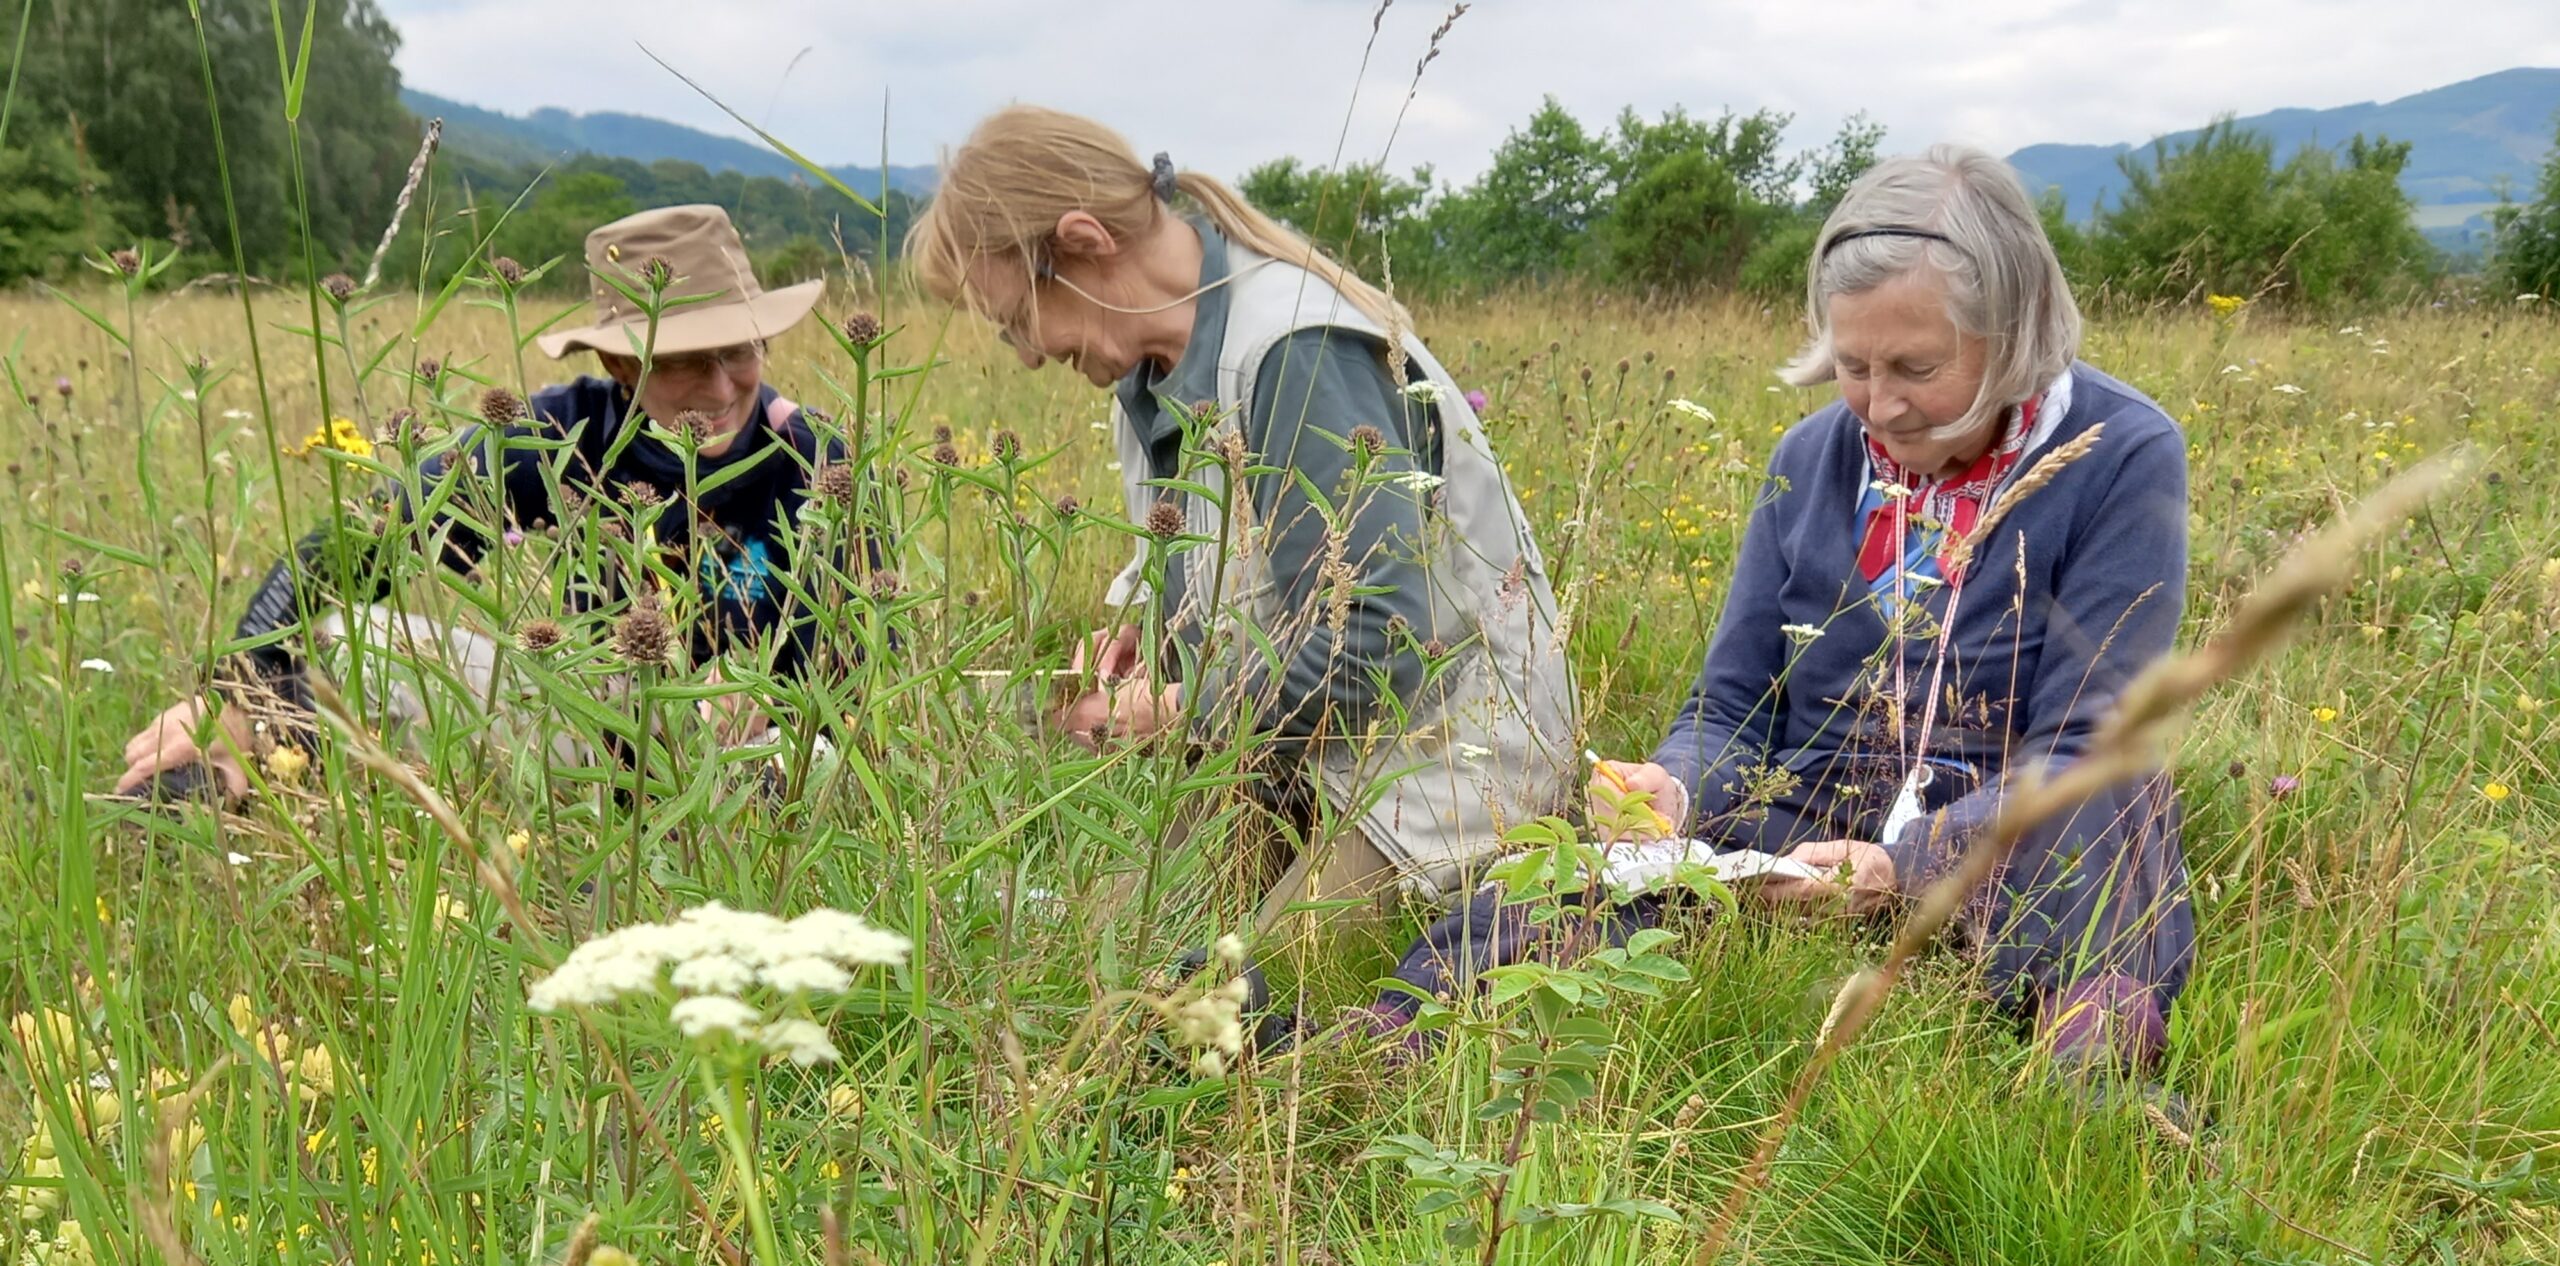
(861, 328)
(506, 269)
(1006, 445)
(946, 454)
(1367, 440)
(539, 635)
(429, 370)
(657, 273)
(1067, 505)
(501, 407)
(836, 482)
(339, 287)
(127, 260)
(694, 426)
(1164, 520)
(643, 637)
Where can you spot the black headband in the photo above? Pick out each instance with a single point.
(1886, 231)
(1161, 175)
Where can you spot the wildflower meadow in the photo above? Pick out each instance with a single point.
(901, 987)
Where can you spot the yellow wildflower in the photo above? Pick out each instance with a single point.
(315, 1075)
(2225, 305)
(844, 1101)
(520, 843)
(830, 1170)
(2497, 791)
(286, 764)
(341, 434)
(242, 1013)
(2324, 715)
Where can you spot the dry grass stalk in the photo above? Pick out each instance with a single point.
(2132, 741)
(2043, 472)
(408, 189)
(156, 1211)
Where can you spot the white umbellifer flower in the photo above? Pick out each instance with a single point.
(1424, 392)
(803, 1042)
(1213, 1023)
(1472, 752)
(1694, 409)
(807, 975)
(716, 953)
(238, 859)
(1801, 634)
(696, 1017)
(97, 665)
(712, 973)
(1230, 949)
(2289, 389)
(1892, 491)
(1419, 480)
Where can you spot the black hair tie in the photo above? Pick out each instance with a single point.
(1161, 175)
(1890, 230)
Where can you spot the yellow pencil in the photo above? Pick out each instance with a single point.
(1617, 780)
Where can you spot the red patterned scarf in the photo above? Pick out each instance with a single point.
(1926, 517)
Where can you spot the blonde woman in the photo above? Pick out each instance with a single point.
(1359, 597)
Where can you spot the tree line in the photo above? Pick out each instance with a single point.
(130, 119)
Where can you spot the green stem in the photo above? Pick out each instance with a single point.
(730, 1102)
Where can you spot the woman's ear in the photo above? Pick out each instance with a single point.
(621, 369)
(1079, 233)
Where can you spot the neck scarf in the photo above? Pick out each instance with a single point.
(1916, 522)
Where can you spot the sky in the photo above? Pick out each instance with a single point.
(1225, 84)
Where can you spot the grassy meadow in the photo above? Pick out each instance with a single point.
(301, 1033)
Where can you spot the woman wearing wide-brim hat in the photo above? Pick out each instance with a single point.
(1345, 580)
(704, 360)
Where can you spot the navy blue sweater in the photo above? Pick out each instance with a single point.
(754, 513)
(2073, 593)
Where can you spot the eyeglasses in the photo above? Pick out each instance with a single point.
(1015, 330)
(697, 366)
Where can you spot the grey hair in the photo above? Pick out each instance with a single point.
(2003, 282)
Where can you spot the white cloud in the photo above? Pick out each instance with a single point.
(1223, 86)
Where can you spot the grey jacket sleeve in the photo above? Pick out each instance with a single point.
(1321, 396)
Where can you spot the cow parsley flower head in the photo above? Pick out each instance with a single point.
(727, 967)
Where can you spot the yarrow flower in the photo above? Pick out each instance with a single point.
(1801, 634)
(716, 957)
(1424, 392)
(1694, 409)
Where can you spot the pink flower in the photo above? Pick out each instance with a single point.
(1476, 401)
(2283, 785)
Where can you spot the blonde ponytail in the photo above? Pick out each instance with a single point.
(1024, 166)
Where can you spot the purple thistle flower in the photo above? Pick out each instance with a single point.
(1476, 401)
(2283, 785)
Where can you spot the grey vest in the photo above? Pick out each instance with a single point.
(1493, 741)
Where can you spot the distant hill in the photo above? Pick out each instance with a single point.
(549, 134)
(2466, 140)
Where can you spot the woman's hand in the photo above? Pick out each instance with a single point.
(169, 742)
(1631, 801)
(1135, 709)
(735, 717)
(1108, 654)
(1871, 878)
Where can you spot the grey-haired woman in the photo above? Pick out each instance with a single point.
(1872, 687)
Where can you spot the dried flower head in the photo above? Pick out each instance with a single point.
(941, 434)
(1164, 520)
(539, 635)
(836, 482)
(694, 426)
(1006, 445)
(643, 637)
(1068, 506)
(1368, 440)
(945, 455)
(886, 584)
(501, 407)
(339, 287)
(402, 426)
(506, 269)
(127, 260)
(657, 273)
(861, 328)
(430, 369)
(641, 493)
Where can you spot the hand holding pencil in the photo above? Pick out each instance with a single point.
(1635, 801)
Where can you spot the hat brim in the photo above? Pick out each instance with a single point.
(700, 327)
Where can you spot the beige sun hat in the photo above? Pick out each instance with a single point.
(710, 266)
